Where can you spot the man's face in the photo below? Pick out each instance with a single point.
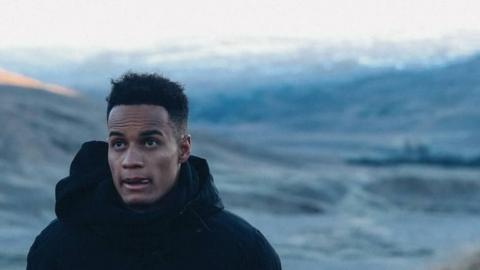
(143, 153)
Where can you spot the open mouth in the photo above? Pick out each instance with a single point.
(136, 183)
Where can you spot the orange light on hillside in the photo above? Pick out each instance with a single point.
(15, 79)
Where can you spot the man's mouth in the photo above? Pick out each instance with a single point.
(136, 183)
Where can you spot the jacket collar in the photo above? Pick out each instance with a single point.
(87, 197)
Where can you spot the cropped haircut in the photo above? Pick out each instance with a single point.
(151, 89)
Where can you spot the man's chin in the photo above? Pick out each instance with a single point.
(138, 203)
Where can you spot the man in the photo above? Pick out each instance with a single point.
(142, 201)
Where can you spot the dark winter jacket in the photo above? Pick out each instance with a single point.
(188, 230)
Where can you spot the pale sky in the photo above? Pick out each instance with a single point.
(124, 24)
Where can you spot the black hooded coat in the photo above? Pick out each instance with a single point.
(188, 230)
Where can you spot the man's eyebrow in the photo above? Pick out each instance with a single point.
(147, 133)
(115, 133)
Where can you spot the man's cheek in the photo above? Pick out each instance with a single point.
(113, 159)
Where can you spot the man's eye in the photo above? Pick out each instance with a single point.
(118, 144)
(151, 143)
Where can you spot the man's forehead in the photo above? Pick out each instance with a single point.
(138, 115)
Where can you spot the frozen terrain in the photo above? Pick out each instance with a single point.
(377, 172)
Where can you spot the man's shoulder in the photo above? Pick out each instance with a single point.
(47, 246)
(52, 237)
(231, 227)
(225, 221)
(54, 230)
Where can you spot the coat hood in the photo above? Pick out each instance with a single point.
(88, 198)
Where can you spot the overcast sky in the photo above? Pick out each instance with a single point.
(122, 24)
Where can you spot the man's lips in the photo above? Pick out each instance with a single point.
(136, 183)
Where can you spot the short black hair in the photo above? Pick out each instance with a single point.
(151, 89)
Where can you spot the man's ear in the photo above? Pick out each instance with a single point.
(185, 147)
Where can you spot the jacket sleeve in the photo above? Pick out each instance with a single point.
(263, 256)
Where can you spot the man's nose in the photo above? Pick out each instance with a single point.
(132, 159)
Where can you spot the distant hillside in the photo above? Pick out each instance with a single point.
(8, 78)
(41, 122)
(436, 96)
(376, 114)
(40, 127)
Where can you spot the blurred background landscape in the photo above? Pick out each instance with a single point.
(348, 133)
